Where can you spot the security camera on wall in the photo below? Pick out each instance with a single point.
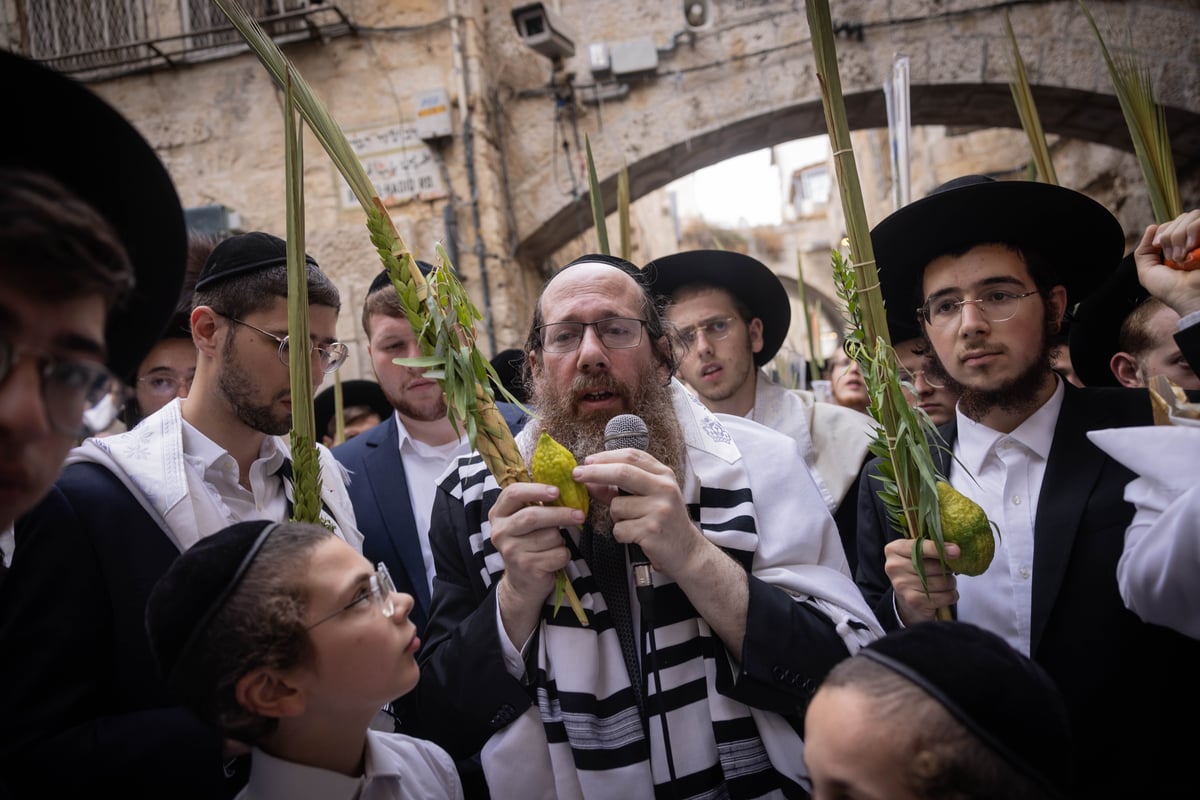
(540, 33)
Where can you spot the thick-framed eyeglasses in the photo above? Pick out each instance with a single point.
(331, 355)
(617, 333)
(165, 384)
(714, 330)
(997, 305)
(380, 588)
(80, 398)
(911, 377)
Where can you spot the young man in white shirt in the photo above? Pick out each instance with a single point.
(733, 314)
(395, 466)
(992, 267)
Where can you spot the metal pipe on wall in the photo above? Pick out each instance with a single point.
(464, 111)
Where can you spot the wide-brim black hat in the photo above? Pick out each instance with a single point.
(1095, 331)
(747, 279)
(89, 147)
(355, 392)
(1080, 237)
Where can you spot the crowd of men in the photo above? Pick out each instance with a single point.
(742, 590)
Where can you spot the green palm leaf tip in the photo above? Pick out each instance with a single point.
(1031, 122)
(1146, 120)
(908, 475)
(597, 201)
(306, 464)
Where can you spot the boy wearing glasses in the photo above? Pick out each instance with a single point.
(124, 508)
(733, 313)
(288, 640)
(990, 268)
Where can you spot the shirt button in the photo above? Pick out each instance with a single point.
(1016, 500)
(1025, 572)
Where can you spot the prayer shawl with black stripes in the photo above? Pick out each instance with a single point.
(585, 737)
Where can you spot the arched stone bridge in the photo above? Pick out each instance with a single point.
(747, 80)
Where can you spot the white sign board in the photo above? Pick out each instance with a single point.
(400, 165)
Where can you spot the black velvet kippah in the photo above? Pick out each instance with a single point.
(382, 279)
(194, 588)
(243, 254)
(997, 693)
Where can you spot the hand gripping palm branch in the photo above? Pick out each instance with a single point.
(903, 435)
(439, 309)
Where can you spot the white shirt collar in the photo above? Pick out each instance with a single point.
(976, 441)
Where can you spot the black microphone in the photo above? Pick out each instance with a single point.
(629, 430)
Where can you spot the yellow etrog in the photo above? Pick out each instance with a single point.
(552, 464)
(965, 524)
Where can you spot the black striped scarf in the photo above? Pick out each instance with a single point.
(586, 729)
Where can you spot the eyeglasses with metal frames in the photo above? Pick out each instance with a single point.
(911, 377)
(80, 398)
(714, 330)
(380, 587)
(997, 305)
(331, 355)
(617, 333)
(165, 385)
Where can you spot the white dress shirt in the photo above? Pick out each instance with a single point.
(1003, 473)
(219, 471)
(396, 767)
(1159, 567)
(423, 465)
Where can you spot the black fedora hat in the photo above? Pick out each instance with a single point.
(747, 279)
(1080, 237)
(89, 147)
(1095, 331)
(355, 392)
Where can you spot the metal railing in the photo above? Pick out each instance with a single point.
(96, 39)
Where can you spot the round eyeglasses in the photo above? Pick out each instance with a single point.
(165, 385)
(714, 330)
(617, 333)
(331, 356)
(379, 587)
(80, 398)
(997, 306)
(911, 377)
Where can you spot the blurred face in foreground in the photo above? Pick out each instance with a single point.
(39, 330)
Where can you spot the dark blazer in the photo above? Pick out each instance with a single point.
(1125, 682)
(83, 709)
(378, 491)
(1188, 340)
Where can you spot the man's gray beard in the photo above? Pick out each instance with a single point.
(584, 435)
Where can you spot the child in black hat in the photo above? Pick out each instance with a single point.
(287, 639)
(943, 710)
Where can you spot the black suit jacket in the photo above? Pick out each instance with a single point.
(83, 709)
(1188, 340)
(378, 491)
(1125, 682)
